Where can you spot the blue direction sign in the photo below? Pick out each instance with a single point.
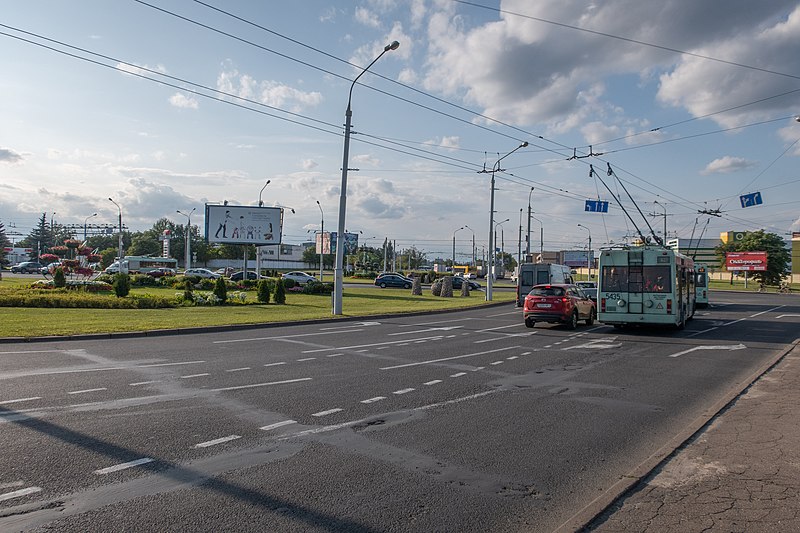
(596, 206)
(751, 199)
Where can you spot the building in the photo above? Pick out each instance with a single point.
(702, 250)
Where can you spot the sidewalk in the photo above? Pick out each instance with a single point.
(740, 474)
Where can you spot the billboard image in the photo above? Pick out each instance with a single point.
(746, 261)
(324, 243)
(576, 258)
(231, 224)
(350, 243)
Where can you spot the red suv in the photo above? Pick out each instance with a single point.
(562, 303)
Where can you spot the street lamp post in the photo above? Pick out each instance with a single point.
(589, 259)
(541, 235)
(519, 239)
(84, 225)
(496, 168)
(454, 247)
(119, 250)
(502, 240)
(258, 248)
(321, 239)
(528, 246)
(338, 282)
(187, 236)
(474, 260)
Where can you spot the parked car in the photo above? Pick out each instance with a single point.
(458, 282)
(393, 280)
(201, 273)
(586, 284)
(239, 276)
(300, 277)
(161, 272)
(466, 275)
(558, 303)
(51, 268)
(27, 267)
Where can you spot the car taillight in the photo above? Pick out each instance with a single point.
(603, 305)
(704, 294)
(669, 307)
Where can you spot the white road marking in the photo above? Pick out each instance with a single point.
(372, 345)
(458, 374)
(701, 332)
(277, 425)
(260, 384)
(488, 330)
(190, 376)
(443, 328)
(170, 364)
(123, 466)
(32, 351)
(496, 363)
(87, 390)
(19, 493)
(306, 359)
(276, 364)
(600, 344)
(357, 325)
(433, 382)
(782, 316)
(5, 402)
(478, 368)
(373, 400)
(217, 441)
(144, 383)
(279, 337)
(238, 369)
(328, 412)
(338, 354)
(728, 347)
(512, 358)
(403, 391)
(767, 311)
(449, 358)
(525, 353)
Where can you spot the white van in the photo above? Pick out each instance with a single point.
(530, 274)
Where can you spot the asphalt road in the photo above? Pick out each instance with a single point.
(463, 421)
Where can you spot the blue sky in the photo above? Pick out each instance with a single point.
(691, 103)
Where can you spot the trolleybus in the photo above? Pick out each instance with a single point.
(645, 285)
(701, 284)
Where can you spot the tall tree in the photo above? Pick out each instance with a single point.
(5, 242)
(778, 255)
(40, 238)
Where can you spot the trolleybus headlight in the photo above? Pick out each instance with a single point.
(621, 303)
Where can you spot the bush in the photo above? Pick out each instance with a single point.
(188, 296)
(280, 292)
(289, 283)
(59, 279)
(221, 290)
(263, 291)
(122, 285)
(318, 288)
(143, 280)
(64, 298)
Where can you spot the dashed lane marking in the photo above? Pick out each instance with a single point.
(87, 390)
(373, 400)
(18, 400)
(190, 376)
(238, 369)
(433, 382)
(277, 425)
(328, 412)
(404, 391)
(276, 364)
(254, 385)
(306, 359)
(431, 361)
(458, 374)
(19, 493)
(214, 442)
(124, 466)
(496, 363)
(512, 357)
(144, 382)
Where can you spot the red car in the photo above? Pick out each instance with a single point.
(561, 303)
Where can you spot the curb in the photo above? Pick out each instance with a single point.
(584, 517)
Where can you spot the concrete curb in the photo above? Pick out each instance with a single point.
(583, 518)
(231, 327)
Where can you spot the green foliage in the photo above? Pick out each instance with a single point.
(187, 291)
(59, 279)
(143, 280)
(221, 290)
(317, 288)
(778, 256)
(122, 285)
(64, 298)
(280, 292)
(263, 291)
(289, 283)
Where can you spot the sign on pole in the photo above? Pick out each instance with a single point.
(751, 199)
(596, 206)
(231, 224)
(749, 261)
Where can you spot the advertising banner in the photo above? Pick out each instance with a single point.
(746, 261)
(323, 243)
(350, 243)
(231, 224)
(576, 258)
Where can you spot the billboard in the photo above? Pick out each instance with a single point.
(576, 258)
(746, 261)
(323, 243)
(350, 243)
(231, 224)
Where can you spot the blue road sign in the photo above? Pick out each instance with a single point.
(596, 206)
(749, 200)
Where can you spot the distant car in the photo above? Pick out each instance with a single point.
(466, 275)
(300, 277)
(562, 303)
(591, 292)
(200, 273)
(381, 274)
(239, 276)
(458, 282)
(586, 284)
(27, 267)
(51, 268)
(161, 272)
(393, 280)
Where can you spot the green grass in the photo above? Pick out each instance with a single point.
(356, 302)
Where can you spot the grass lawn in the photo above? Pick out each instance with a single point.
(366, 301)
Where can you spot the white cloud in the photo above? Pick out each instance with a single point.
(367, 18)
(407, 76)
(309, 164)
(184, 102)
(7, 155)
(366, 159)
(141, 70)
(727, 164)
(267, 92)
(790, 134)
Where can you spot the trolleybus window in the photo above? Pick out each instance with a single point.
(657, 279)
(614, 279)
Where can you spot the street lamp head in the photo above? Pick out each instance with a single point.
(394, 45)
(524, 145)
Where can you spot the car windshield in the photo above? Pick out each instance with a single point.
(547, 291)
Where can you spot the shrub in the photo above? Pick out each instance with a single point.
(122, 285)
(63, 298)
(289, 283)
(318, 288)
(188, 296)
(280, 292)
(263, 291)
(59, 279)
(221, 290)
(143, 280)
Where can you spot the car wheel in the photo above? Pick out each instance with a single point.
(407, 286)
(573, 320)
(529, 322)
(382, 285)
(590, 320)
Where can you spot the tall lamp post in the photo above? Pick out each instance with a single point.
(454, 248)
(528, 246)
(258, 248)
(519, 239)
(119, 251)
(84, 225)
(490, 273)
(474, 260)
(321, 239)
(589, 259)
(502, 237)
(338, 282)
(187, 236)
(541, 235)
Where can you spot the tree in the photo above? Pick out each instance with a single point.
(5, 242)
(40, 238)
(778, 255)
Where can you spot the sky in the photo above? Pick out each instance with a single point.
(167, 105)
